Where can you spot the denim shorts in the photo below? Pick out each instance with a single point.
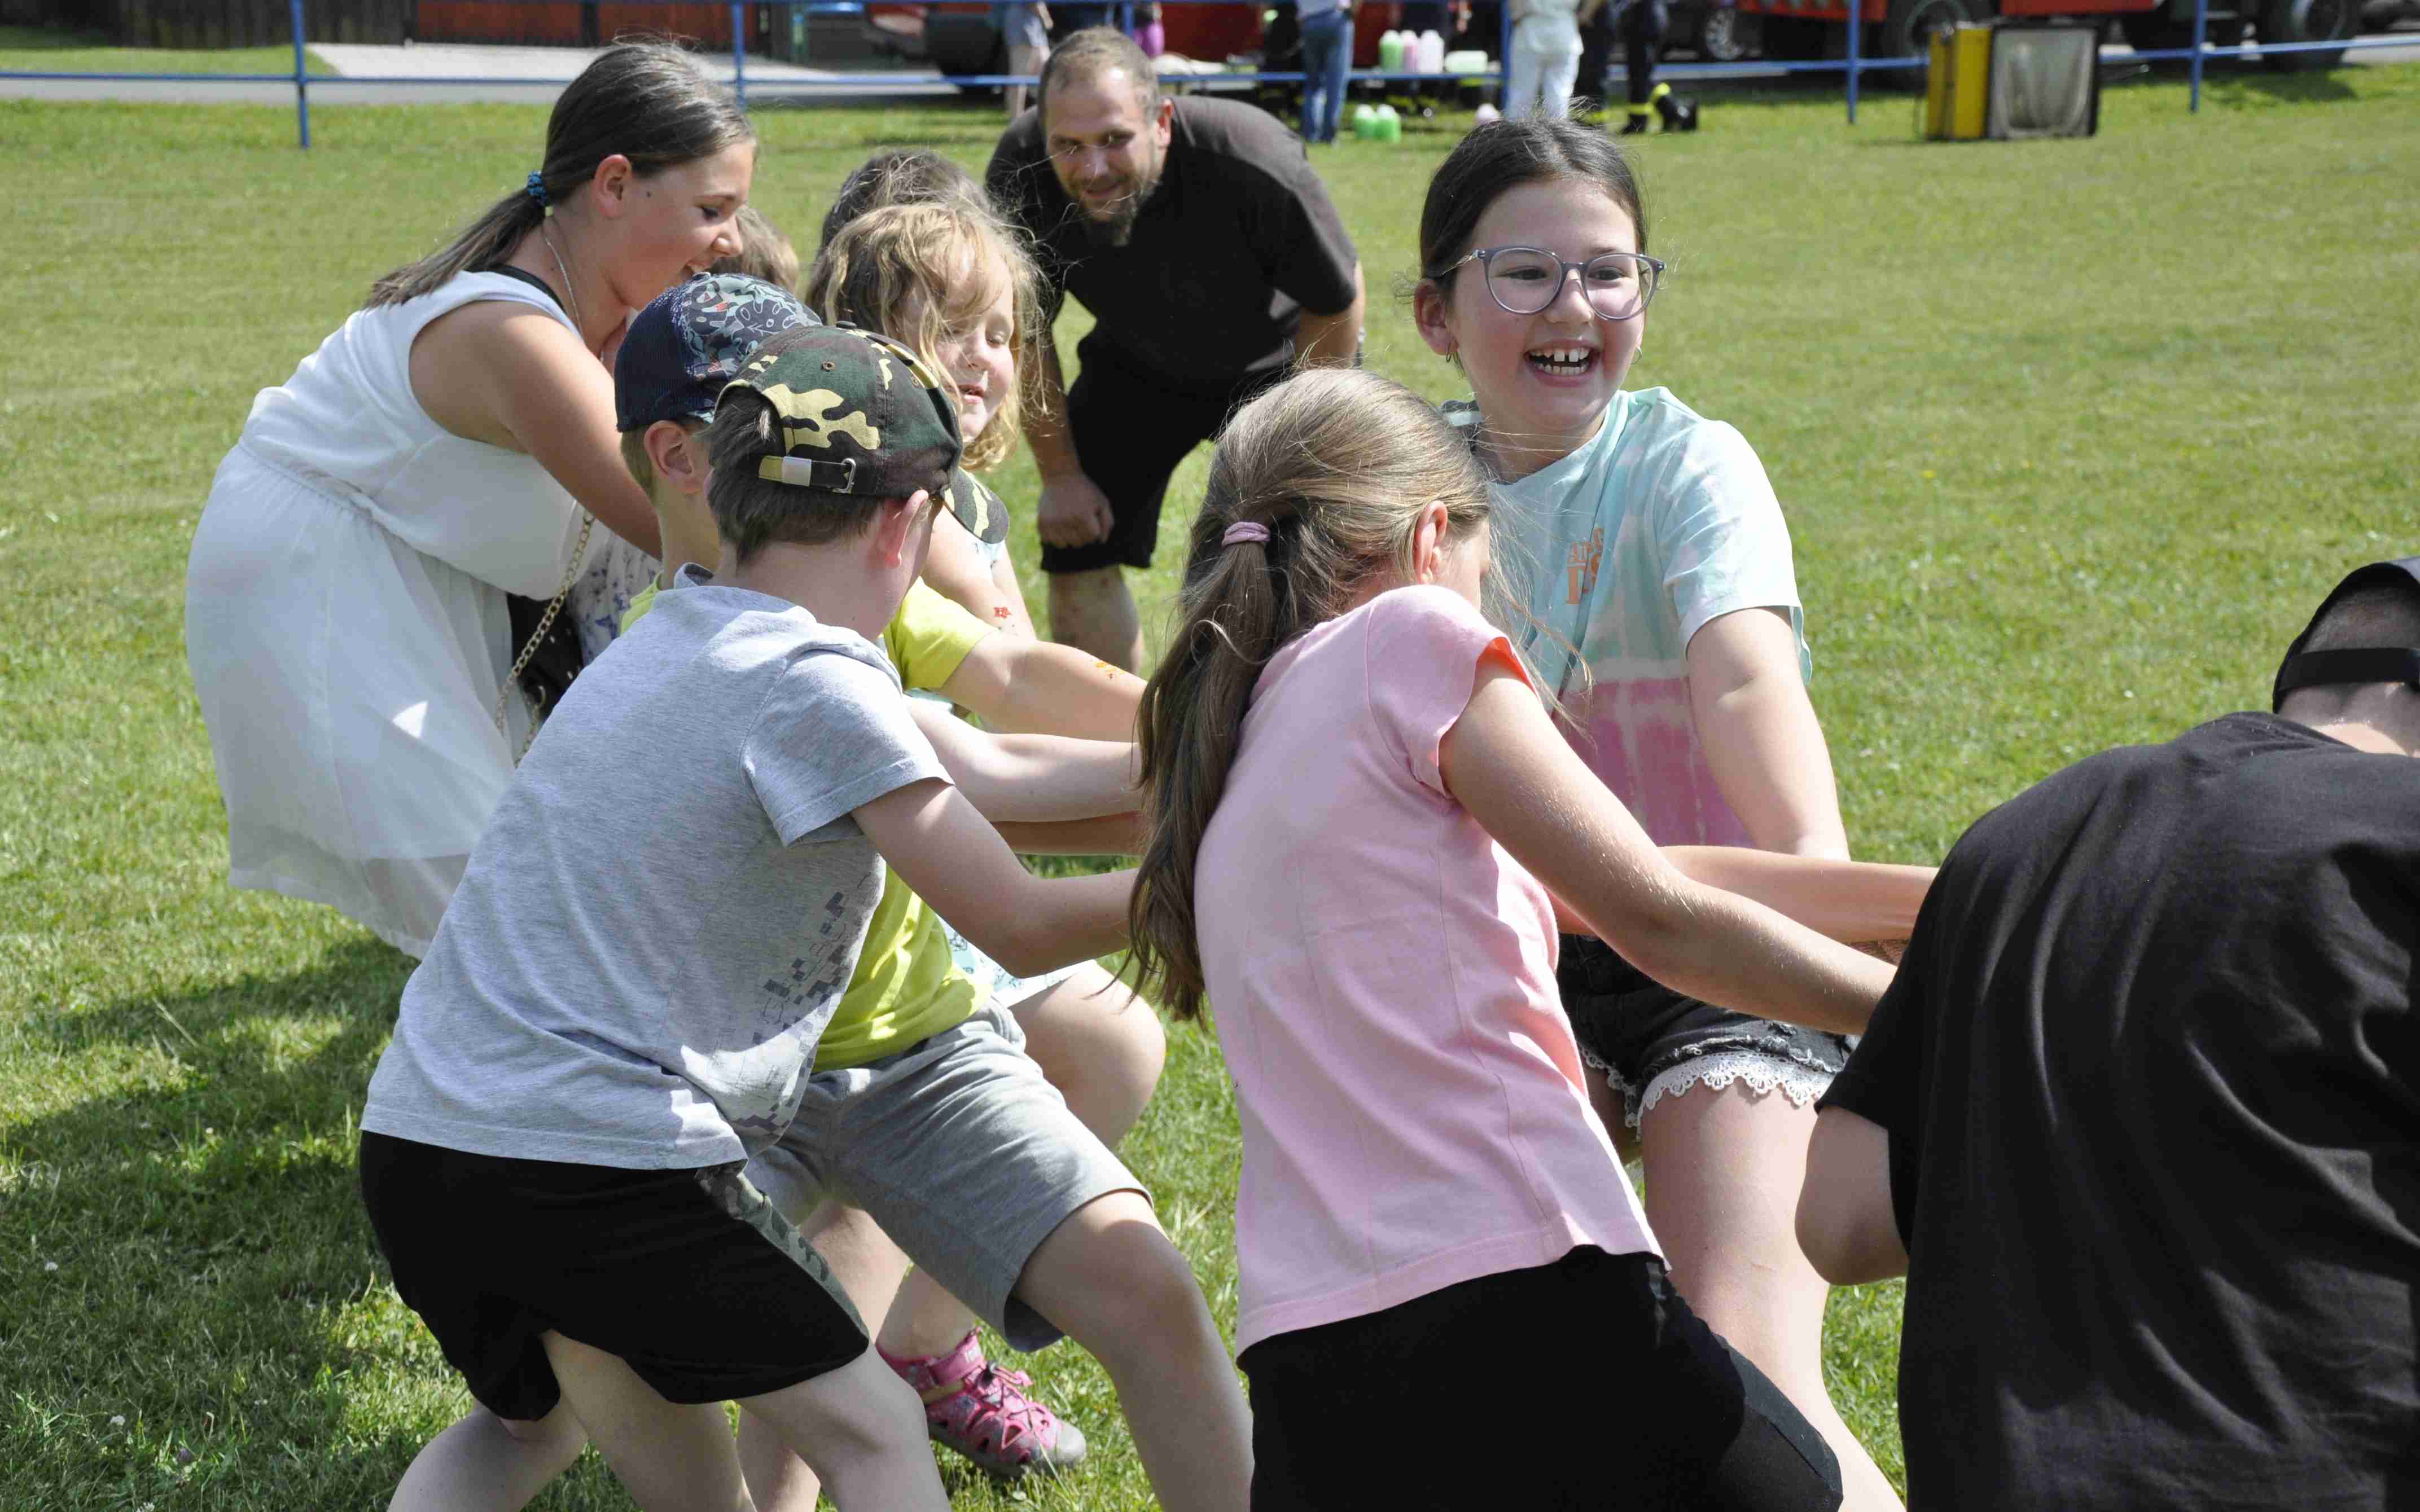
(1653, 1042)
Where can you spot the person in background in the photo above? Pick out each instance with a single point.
(1212, 260)
(1025, 32)
(2137, 1119)
(1326, 59)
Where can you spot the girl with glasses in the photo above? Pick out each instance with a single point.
(1658, 573)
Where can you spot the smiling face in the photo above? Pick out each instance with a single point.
(1107, 146)
(675, 224)
(975, 343)
(1542, 380)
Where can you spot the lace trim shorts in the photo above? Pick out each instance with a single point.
(1653, 1042)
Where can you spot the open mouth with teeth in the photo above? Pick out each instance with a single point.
(1563, 361)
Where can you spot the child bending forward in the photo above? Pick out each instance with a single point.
(1359, 807)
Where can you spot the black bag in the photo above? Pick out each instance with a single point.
(553, 661)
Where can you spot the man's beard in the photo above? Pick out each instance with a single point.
(1116, 228)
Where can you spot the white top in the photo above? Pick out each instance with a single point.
(347, 422)
(346, 622)
(1382, 974)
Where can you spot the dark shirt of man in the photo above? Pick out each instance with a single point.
(1238, 241)
(2151, 1079)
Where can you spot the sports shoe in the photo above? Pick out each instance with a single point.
(983, 1412)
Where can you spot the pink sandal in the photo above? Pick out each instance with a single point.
(985, 1414)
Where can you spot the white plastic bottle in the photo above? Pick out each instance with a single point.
(1432, 52)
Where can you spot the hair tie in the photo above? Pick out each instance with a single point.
(1243, 530)
(538, 188)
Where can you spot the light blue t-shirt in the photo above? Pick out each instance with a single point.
(1626, 548)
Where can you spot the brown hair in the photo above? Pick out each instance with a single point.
(900, 175)
(752, 512)
(938, 252)
(1337, 464)
(646, 101)
(1095, 50)
(764, 251)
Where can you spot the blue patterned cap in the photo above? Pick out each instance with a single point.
(694, 338)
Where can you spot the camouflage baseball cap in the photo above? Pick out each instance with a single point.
(860, 414)
(691, 341)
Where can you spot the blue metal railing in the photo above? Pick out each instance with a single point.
(1855, 66)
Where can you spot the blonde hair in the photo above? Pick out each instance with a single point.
(764, 251)
(939, 252)
(1337, 465)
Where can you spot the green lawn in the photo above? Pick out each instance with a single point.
(2071, 436)
(42, 49)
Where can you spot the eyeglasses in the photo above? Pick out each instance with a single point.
(1526, 280)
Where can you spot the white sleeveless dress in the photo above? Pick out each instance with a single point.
(345, 624)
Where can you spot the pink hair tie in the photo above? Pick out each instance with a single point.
(1243, 530)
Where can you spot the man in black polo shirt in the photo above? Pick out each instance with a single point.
(1210, 257)
(2140, 1118)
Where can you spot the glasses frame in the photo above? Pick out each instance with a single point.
(1485, 256)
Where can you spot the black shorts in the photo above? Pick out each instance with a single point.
(689, 1275)
(1130, 428)
(1584, 1383)
(1652, 1042)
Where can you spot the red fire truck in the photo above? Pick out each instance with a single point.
(1900, 29)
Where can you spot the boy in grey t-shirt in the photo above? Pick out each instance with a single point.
(552, 1142)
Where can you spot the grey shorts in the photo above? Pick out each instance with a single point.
(961, 1150)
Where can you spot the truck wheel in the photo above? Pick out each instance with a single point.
(1907, 30)
(2155, 31)
(1726, 35)
(2307, 21)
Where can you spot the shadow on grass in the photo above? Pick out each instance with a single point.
(184, 1317)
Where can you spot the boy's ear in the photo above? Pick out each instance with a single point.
(897, 524)
(677, 455)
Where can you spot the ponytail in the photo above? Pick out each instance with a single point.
(1334, 466)
(643, 101)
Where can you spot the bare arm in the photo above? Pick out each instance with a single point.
(506, 374)
(1071, 510)
(1041, 686)
(945, 851)
(1856, 902)
(1019, 620)
(1759, 733)
(1333, 340)
(1033, 777)
(955, 569)
(1505, 763)
(1846, 1224)
(1113, 835)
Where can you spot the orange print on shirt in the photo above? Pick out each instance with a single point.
(1586, 557)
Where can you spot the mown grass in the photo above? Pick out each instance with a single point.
(49, 50)
(2072, 434)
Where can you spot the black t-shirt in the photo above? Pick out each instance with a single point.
(2148, 1073)
(1238, 239)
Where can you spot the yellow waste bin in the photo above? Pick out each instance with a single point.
(1957, 84)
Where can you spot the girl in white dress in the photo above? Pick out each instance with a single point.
(345, 609)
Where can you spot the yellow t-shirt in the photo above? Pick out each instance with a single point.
(906, 988)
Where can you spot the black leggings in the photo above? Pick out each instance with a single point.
(1643, 25)
(1584, 1383)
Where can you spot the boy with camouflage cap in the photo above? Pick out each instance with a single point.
(581, 1068)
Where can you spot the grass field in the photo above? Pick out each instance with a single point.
(2071, 436)
(42, 49)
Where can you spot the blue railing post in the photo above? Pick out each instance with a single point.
(1504, 60)
(302, 73)
(1857, 51)
(740, 51)
(2201, 31)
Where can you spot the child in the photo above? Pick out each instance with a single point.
(1662, 557)
(763, 253)
(913, 1039)
(622, 1002)
(900, 175)
(1349, 785)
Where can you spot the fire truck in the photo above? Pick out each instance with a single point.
(1806, 29)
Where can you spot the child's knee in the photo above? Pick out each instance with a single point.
(1115, 1283)
(558, 1430)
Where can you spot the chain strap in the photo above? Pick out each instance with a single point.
(546, 623)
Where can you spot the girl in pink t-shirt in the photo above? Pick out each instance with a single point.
(1364, 828)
